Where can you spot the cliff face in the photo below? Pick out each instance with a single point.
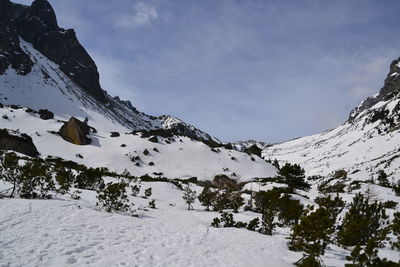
(37, 24)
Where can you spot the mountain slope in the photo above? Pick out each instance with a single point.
(44, 66)
(369, 141)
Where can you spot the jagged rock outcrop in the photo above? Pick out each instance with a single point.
(21, 143)
(11, 54)
(37, 24)
(390, 88)
(75, 132)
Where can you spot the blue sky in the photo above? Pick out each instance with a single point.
(254, 69)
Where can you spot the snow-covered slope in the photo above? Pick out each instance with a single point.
(176, 157)
(368, 142)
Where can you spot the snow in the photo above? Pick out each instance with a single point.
(65, 232)
(353, 146)
(183, 158)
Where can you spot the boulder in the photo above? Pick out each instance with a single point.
(115, 134)
(254, 149)
(223, 181)
(21, 143)
(75, 132)
(45, 114)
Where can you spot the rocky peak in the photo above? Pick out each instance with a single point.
(390, 89)
(37, 24)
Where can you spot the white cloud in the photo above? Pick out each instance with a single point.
(143, 14)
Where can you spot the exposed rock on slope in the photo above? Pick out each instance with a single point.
(21, 143)
(387, 92)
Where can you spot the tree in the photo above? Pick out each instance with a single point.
(114, 197)
(294, 176)
(207, 197)
(362, 222)
(267, 222)
(189, 196)
(290, 210)
(333, 206)
(313, 234)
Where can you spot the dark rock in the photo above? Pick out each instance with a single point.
(229, 146)
(21, 143)
(153, 139)
(29, 110)
(46, 114)
(123, 145)
(1, 105)
(254, 149)
(390, 89)
(223, 181)
(115, 134)
(75, 131)
(11, 53)
(37, 24)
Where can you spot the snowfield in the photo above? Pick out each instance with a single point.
(65, 232)
(180, 158)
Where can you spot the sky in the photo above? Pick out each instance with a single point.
(240, 69)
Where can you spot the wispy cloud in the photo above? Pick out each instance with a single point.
(143, 14)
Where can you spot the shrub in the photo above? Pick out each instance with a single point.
(207, 197)
(114, 197)
(383, 178)
(135, 189)
(35, 181)
(253, 224)
(395, 227)
(90, 179)
(147, 192)
(65, 178)
(152, 204)
(11, 171)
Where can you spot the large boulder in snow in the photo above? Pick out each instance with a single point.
(254, 149)
(75, 132)
(223, 181)
(15, 141)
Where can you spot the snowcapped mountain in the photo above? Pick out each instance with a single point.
(367, 142)
(43, 66)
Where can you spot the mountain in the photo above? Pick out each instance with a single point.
(43, 66)
(367, 142)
